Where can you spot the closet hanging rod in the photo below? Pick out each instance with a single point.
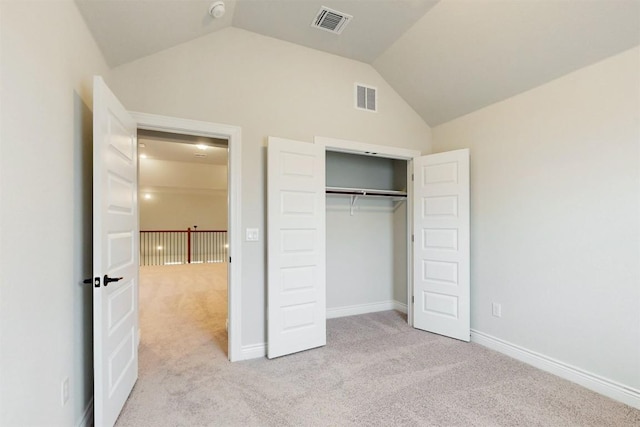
(365, 192)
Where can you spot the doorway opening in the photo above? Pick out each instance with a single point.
(183, 221)
(232, 135)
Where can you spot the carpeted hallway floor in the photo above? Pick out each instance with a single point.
(374, 371)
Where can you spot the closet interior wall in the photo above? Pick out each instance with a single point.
(366, 245)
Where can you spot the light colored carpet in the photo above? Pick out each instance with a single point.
(374, 371)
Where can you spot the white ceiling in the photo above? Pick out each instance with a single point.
(465, 55)
(182, 148)
(444, 58)
(130, 29)
(127, 30)
(375, 26)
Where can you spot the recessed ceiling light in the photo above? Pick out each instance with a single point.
(143, 156)
(202, 147)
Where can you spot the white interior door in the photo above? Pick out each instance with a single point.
(441, 275)
(296, 247)
(115, 255)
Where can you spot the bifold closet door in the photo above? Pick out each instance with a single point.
(296, 262)
(441, 278)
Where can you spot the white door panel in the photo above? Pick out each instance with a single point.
(296, 247)
(115, 255)
(441, 244)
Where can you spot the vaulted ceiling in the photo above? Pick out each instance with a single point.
(445, 58)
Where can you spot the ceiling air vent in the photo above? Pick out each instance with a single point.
(366, 98)
(199, 155)
(331, 20)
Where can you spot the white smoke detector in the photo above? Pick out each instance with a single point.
(217, 9)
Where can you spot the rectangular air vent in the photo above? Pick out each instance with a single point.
(366, 98)
(331, 20)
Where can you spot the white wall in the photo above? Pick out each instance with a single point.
(47, 61)
(184, 175)
(555, 185)
(181, 195)
(269, 88)
(178, 210)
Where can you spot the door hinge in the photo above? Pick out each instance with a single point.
(413, 299)
(229, 260)
(412, 240)
(412, 179)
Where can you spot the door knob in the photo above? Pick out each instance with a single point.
(106, 280)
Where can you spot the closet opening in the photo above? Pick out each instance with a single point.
(366, 233)
(357, 228)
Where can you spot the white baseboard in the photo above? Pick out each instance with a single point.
(398, 306)
(253, 351)
(612, 389)
(87, 416)
(352, 310)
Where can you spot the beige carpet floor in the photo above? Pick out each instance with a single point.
(374, 371)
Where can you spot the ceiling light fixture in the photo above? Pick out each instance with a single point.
(217, 9)
(202, 147)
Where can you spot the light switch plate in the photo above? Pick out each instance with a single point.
(496, 309)
(252, 235)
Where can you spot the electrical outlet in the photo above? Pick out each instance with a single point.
(65, 391)
(496, 309)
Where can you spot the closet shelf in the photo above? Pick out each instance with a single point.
(354, 193)
(366, 192)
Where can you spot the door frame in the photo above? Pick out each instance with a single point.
(365, 149)
(233, 134)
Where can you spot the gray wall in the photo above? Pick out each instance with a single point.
(366, 251)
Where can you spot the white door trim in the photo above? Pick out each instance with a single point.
(233, 134)
(355, 147)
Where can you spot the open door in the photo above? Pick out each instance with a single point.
(441, 273)
(296, 247)
(115, 255)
